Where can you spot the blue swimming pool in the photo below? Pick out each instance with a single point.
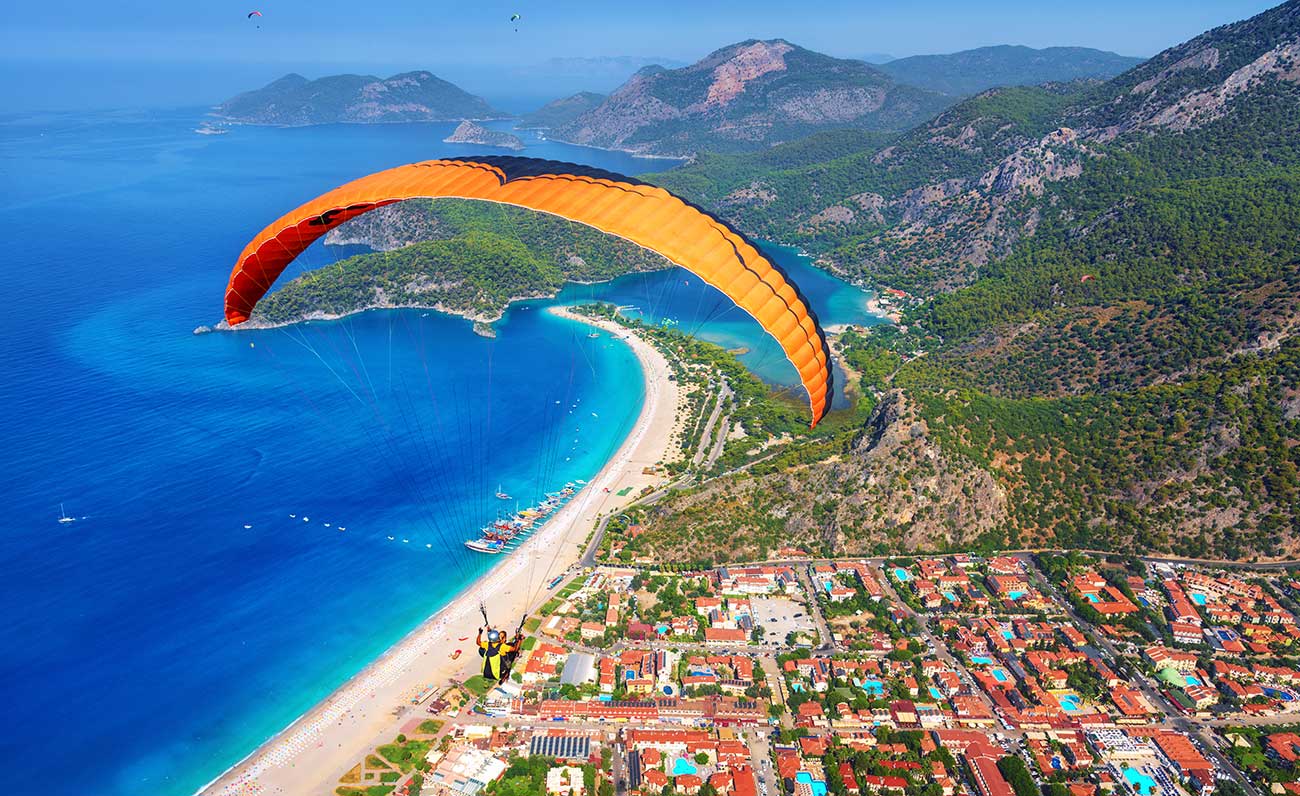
(1199, 599)
(873, 687)
(1092, 598)
(1069, 702)
(1015, 595)
(683, 766)
(1008, 635)
(980, 659)
(1191, 679)
(1145, 783)
(936, 693)
(1000, 676)
(816, 785)
(902, 575)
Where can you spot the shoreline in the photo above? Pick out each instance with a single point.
(363, 711)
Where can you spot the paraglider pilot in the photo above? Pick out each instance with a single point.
(498, 652)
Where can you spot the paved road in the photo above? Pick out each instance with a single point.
(777, 683)
(760, 754)
(618, 770)
(815, 608)
(706, 436)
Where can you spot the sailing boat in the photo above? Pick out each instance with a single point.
(502, 495)
(64, 519)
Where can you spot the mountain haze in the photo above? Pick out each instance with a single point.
(745, 97)
(962, 74)
(561, 111)
(410, 96)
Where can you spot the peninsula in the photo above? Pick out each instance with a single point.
(456, 256)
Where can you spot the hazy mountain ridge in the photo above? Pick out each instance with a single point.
(747, 96)
(293, 100)
(968, 72)
(561, 111)
(1110, 296)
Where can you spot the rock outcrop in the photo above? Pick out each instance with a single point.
(468, 132)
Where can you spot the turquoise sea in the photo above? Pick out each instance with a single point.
(186, 616)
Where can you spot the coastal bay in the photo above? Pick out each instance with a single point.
(101, 422)
(360, 714)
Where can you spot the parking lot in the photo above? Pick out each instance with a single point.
(777, 617)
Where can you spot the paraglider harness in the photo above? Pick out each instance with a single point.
(508, 659)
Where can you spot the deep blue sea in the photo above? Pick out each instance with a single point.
(186, 616)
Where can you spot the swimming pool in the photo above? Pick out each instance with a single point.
(983, 661)
(1191, 679)
(1069, 702)
(1000, 676)
(936, 693)
(1008, 635)
(1199, 599)
(874, 687)
(1015, 595)
(902, 575)
(683, 766)
(1092, 598)
(952, 598)
(816, 785)
(1145, 783)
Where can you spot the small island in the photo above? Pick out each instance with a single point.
(468, 132)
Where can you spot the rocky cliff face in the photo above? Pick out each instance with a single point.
(894, 488)
(411, 96)
(743, 97)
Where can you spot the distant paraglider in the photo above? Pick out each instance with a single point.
(514, 19)
(252, 14)
(1085, 278)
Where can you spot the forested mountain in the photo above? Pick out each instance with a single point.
(968, 72)
(1101, 347)
(408, 97)
(745, 97)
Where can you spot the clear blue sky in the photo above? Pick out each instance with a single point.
(384, 36)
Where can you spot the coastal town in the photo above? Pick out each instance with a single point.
(1023, 673)
(1063, 673)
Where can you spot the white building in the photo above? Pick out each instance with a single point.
(565, 781)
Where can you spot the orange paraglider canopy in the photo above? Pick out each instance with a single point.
(644, 214)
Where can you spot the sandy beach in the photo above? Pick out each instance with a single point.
(310, 755)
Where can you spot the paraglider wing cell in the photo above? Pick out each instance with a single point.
(612, 203)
